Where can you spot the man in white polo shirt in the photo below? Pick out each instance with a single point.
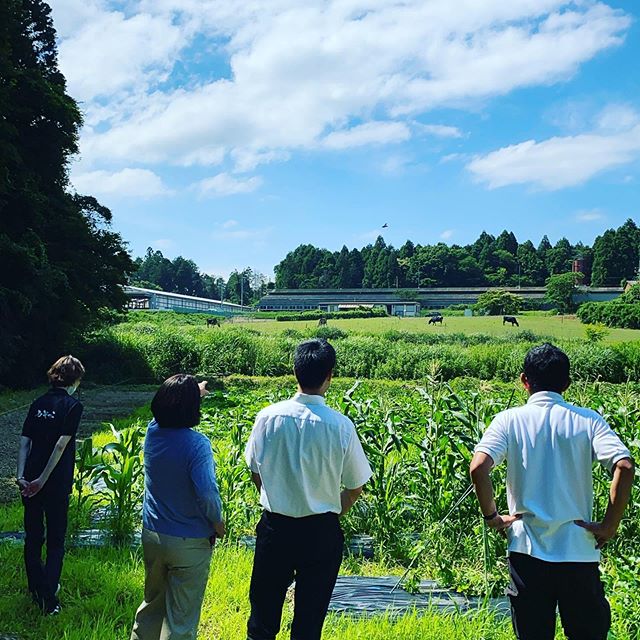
(554, 548)
(309, 466)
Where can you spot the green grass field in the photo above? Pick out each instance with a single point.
(101, 589)
(565, 327)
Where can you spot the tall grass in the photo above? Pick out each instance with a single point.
(101, 590)
(152, 351)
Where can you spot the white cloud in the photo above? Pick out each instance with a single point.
(229, 224)
(617, 117)
(395, 164)
(447, 234)
(589, 216)
(367, 133)
(132, 183)
(439, 130)
(559, 162)
(452, 157)
(249, 159)
(224, 184)
(299, 72)
(109, 53)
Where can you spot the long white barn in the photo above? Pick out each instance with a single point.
(153, 300)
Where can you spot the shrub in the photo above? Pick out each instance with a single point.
(329, 333)
(612, 314)
(112, 358)
(623, 312)
(595, 332)
(362, 312)
(495, 302)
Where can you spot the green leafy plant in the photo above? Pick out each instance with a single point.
(495, 302)
(87, 461)
(595, 332)
(121, 470)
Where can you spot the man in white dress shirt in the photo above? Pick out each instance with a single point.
(309, 466)
(554, 547)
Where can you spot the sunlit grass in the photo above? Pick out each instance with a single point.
(564, 327)
(102, 589)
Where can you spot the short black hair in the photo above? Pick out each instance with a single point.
(547, 368)
(176, 404)
(313, 361)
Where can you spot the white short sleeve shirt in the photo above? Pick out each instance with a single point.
(550, 446)
(305, 452)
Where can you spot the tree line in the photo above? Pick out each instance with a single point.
(182, 275)
(490, 261)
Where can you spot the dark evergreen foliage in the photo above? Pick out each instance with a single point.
(60, 263)
(489, 261)
(183, 276)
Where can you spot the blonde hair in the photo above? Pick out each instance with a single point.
(65, 371)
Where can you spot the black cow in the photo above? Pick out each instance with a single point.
(213, 322)
(511, 319)
(322, 322)
(436, 319)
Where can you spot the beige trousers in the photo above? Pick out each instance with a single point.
(176, 573)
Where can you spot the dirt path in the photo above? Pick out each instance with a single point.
(100, 405)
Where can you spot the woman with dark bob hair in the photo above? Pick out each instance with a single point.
(182, 514)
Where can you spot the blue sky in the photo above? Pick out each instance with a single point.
(230, 133)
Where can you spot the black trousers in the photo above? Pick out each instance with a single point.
(308, 550)
(43, 578)
(538, 588)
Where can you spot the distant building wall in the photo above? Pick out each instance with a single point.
(435, 298)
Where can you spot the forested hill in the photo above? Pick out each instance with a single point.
(489, 261)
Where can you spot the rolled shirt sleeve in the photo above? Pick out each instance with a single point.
(356, 469)
(203, 476)
(607, 446)
(495, 441)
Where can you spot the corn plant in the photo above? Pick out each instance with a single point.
(121, 469)
(233, 476)
(87, 460)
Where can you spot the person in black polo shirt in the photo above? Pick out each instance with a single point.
(45, 476)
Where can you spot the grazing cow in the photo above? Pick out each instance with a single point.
(322, 322)
(511, 319)
(436, 319)
(213, 322)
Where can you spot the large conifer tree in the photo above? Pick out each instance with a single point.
(60, 263)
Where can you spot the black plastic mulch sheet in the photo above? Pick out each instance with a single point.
(368, 596)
